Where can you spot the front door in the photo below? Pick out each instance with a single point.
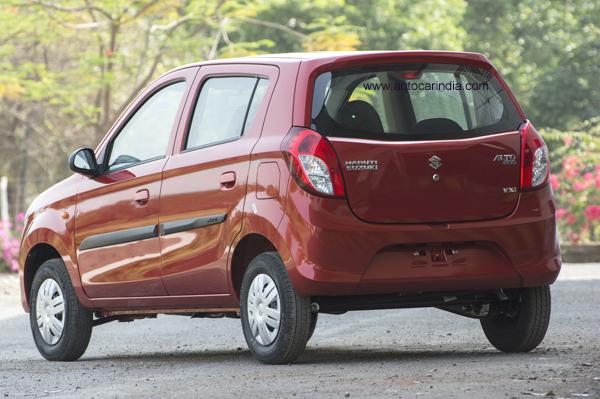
(116, 225)
(204, 182)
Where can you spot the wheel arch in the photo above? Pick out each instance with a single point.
(40, 245)
(246, 249)
(36, 256)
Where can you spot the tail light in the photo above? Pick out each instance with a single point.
(535, 166)
(313, 163)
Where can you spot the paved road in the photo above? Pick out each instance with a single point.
(395, 353)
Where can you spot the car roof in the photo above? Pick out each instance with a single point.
(325, 57)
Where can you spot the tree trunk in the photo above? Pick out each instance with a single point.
(20, 205)
(107, 92)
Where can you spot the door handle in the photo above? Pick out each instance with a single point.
(227, 180)
(141, 197)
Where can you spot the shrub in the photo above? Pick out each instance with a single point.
(10, 243)
(575, 179)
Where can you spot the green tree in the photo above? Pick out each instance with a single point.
(296, 25)
(68, 68)
(408, 25)
(548, 52)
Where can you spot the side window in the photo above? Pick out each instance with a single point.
(259, 94)
(225, 109)
(146, 135)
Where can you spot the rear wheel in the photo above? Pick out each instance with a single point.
(314, 317)
(61, 327)
(276, 321)
(521, 326)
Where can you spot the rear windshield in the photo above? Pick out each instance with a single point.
(411, 102)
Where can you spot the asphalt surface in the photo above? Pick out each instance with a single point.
(424, 353)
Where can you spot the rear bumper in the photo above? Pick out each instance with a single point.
(334, 253)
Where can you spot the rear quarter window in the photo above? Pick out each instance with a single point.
(412, 102)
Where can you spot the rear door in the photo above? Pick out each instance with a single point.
(418, 143)
(204, 182)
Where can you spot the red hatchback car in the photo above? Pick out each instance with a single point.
(275, 188)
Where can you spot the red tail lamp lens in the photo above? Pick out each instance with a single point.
(313, 163)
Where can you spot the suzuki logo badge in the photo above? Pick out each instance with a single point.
(435, 162)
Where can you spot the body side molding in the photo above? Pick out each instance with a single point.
(145, 232)
(177, 226)
(119, 237)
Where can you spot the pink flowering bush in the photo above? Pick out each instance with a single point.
(575, 179)
(10, 243)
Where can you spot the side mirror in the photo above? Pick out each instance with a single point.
(83, 161)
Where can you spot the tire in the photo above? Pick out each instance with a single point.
(69, 344)
(524, 328)
(257, 314)
(314, 317)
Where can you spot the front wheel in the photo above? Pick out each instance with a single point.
(276, 321)
(521, 325)
(61, 327)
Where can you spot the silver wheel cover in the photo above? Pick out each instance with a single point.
(50, 311)
(264, 309)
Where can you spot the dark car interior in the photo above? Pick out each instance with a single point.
(358, 118)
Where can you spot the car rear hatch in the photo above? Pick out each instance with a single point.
(422, 143)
